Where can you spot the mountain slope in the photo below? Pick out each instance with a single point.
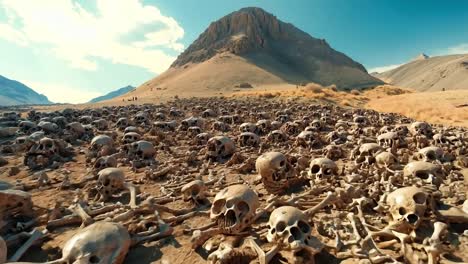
(448, 72)
(113, 94)
(251, 45)
(15, 93)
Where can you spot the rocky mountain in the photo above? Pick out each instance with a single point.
(15, 93)
(253, 46)
(113, 94)
(449, 72)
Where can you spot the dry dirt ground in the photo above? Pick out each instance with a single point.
(177, 248)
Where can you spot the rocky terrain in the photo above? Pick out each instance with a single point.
(426, 73)
(15, 93)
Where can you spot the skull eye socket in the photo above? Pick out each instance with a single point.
(422, 174)
(402, 211)
(304, 227)
(419, 198)
(94, 259)
(431, 155)
(218, 206)
(282, 163)
(360, 159)
(315, 169)
(106, 182)
(244, 209)
(280, 226)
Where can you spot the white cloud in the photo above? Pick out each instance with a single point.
(458, 49)
(79, 36)
(383, 68)
(60, 93)
(10, 34)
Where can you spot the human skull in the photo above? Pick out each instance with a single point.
(202, 139)
(220, 126)
(428, 172)
(291, 128)
(407, 207)
(99, 243)
(275, 170)
(190, 122)
(130, 137)
(110, 181)
(430, 154)
(333, 152)
(46, 146)
(263, 126)
(289, 229)
(308, 139)
(101, 124)
(248, 127)
(421, 128)
(388, 140)
(277, 136)
(15, 203)
(104, 162)
(141, 119)
(101, 145)
(27, 127)
(141, 149)
(249, 139)
(386, 159)
(195, 192)
(47, 127)
(122, 123)
(220, 147)
(234, 208)
(367, 153)
(322, 169)
(194, 130)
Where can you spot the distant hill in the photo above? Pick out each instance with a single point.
(253, 46)
(113, 94)
(15, 93)
(424, 73)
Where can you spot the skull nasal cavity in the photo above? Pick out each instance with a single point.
(296, 233)
(412, 218)
(94, 259)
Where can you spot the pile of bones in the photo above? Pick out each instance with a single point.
(253, 181)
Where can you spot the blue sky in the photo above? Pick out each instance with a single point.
(72, 51)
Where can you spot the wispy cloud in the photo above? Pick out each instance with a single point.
(458, 49)
(383, 68)
(79, 36)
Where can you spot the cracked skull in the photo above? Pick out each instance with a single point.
(99, 243)
(322, 168)
(275, 170)
(234, 208)
(220, 147)
(289, 228)
(195, 192)
(428, 172)
(407, 207)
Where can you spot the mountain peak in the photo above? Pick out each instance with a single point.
(256, 39)
(421, 56)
